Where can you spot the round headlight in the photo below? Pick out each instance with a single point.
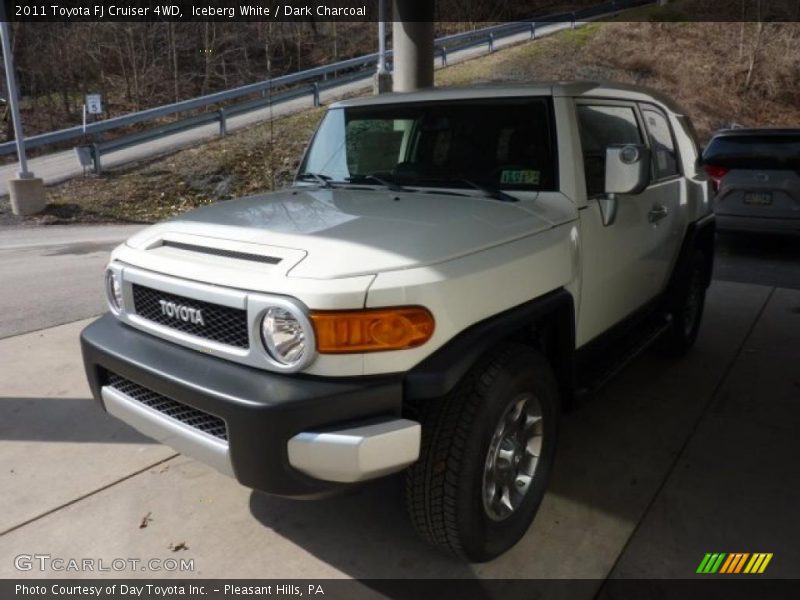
(114, 291)
(284, 336)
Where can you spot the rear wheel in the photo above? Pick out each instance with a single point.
(487, 452)
(688, 312)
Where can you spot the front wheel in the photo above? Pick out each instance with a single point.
(487, 452)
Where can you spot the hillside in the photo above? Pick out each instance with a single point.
(720, 72)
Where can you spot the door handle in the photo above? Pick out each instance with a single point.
(658, 212)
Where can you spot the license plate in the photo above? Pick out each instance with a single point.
(759, 198)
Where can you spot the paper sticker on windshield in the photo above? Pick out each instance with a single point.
(520, 176)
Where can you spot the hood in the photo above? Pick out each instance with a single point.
(345, 232)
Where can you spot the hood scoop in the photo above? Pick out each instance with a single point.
(176, 249)
(270, 260)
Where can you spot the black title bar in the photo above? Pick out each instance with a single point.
(66, 11)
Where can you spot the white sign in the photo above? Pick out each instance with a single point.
(94, 104)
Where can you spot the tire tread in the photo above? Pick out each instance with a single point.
(432, 482)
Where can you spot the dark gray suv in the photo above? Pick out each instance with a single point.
(756, 174)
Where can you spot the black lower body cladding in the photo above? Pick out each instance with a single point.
(262, 410)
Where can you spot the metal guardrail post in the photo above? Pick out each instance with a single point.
(573, 20)
(95, 152)
(533, 31)
(223, 122)
(491, 42)
(315, 91)
(443, 50)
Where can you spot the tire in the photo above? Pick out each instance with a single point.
(688, 311)
(445, 487)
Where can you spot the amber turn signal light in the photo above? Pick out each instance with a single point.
(372, 330)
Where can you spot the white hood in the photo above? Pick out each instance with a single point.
(337, 233)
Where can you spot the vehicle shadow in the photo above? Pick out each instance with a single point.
(615, 452)
(62, 420)
(364, 533)
(758, 258)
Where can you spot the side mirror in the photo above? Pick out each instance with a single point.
(627, 172)
(627, 168)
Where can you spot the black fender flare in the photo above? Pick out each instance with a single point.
(699, 236)
(551, 316)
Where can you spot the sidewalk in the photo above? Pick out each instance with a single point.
(674, 458)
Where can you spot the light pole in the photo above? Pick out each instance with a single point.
(27, 191)
(11, 83)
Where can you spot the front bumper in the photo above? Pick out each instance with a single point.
(286, 435)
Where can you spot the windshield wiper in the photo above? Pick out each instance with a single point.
(490, 191)
(487, 190)
(322, 180)
(380, 181)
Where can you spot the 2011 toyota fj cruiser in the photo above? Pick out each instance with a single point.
(449, 269)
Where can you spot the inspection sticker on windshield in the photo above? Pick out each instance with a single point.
(520, 176)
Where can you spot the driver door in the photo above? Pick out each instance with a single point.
(623, 264)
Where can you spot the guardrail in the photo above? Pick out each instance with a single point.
(324, 77)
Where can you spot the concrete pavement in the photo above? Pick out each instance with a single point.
(81, 483)
(763, 259)
(735, 485)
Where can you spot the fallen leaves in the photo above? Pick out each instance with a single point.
(146, 520)
(178, 547)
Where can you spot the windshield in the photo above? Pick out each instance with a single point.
(755, 151)
(498, 143)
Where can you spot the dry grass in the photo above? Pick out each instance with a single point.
(243, 163)
(706, 67)
(703, 66)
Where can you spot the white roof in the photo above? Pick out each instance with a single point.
(576, 89)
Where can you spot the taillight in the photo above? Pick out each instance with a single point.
(716, 174)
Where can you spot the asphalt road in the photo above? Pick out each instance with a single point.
(53, 275)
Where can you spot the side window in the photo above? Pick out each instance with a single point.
(601, 126)
(665, 162)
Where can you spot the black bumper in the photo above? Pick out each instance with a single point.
(262, 410)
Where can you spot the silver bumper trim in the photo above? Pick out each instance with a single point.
(183, 438)
(358, 453)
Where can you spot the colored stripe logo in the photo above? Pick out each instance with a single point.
(734, 563)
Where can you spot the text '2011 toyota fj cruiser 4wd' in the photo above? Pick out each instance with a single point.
(448, 270)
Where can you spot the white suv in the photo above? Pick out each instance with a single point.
(449, 270)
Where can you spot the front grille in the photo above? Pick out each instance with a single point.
(202, 421)
(220, 323)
